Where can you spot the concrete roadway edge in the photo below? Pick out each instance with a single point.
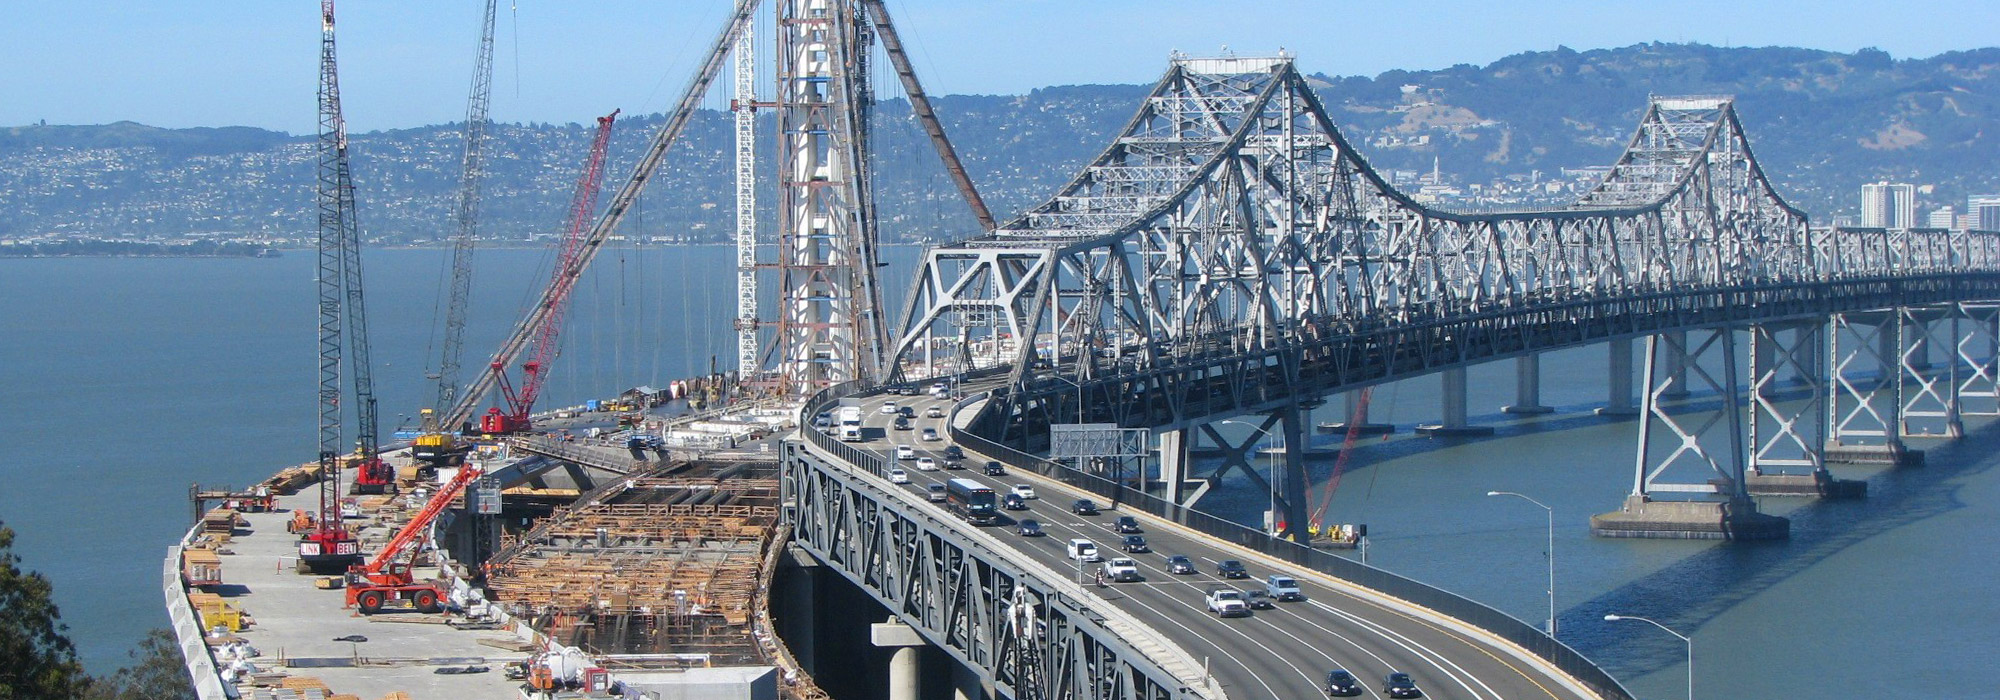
(1379, 598)
(1177, 661)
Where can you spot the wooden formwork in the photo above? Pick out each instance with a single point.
(660, 564)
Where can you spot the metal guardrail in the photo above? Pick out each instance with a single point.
(1458, 607)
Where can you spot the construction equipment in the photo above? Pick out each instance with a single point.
(435, 448)
(1357, 418)
(621, 204)
(471, 166)
(582, 208)
(387, 580)
(342, 316)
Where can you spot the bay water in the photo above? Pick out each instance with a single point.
(123, 381)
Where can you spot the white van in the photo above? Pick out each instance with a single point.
(1084, 550)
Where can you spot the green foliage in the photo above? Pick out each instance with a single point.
(37, 661)
(155, 674)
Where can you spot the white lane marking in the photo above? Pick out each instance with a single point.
(1203, 612)
(1429, 655)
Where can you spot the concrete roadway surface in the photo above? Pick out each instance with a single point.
(1284, 652)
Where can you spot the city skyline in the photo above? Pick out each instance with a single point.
(406, 66)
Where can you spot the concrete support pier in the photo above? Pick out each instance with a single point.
(1173, 465)
(903, 667)
(1528, 387)
(1734, 519)
(1355, 412)
(1892, 453)
(1454, 422)
(1819, 484)
(1618, 385)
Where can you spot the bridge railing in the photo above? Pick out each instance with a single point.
(1458, 607)
(824, 400)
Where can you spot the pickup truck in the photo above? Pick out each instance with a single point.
(1227, 602)
(1283, 588)
(1122, 570)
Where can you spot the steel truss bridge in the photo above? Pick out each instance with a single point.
(1231, 253)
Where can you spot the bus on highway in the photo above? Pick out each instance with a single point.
(971, 500)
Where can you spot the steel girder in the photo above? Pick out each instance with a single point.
(1691, 437)
(1787, 434)
(1277, 237)
(1033, 636)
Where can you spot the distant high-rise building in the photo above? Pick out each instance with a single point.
(1943, 217)
(1889, 205)
(1984, 210)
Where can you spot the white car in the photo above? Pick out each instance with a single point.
(898, 476)
(939, 389)
(906, 452)
(926, 464)
(930, 435)
(934, 412)
(889, 407)
(1122, 570)
(1025, 491)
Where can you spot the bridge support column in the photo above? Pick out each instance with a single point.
(1866, 412)
(1174, 474)
(1710, 445)
(1618, 395)
(1453, 419)
(1812, 366)
(1675, 371)
(1356, 412)
(1292, 483)
(1975, 351)
(1528, 387)
(1788, 438)
(1930, 407)
(903, 666)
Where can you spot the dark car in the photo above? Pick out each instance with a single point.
(1134, 544)
(902, 423)
(953, 463)
(1013, 502)
(1180, 564)
(953, 452)
(1231, 568)
(1083, 506)
(994, 468)
(908, 411)
(1399, 685)
(1341, 684)
(1126, 524)
(1258, 600)
(1028, 528)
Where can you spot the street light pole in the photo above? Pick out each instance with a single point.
(1550, 553)
(1668, 630)
(1271, 462)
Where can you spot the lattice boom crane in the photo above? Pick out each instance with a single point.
(582, 209)
(325, 543)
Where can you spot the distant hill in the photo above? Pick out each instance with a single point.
(1822, 124)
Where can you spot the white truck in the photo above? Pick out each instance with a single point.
(1122, 570)
(849, 421)
(1227, 602)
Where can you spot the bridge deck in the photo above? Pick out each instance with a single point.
(1283, 652)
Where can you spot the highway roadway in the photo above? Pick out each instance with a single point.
(1284, 652)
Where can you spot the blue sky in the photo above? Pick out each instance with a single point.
(406, 62)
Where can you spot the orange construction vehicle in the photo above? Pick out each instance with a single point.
(386, 580)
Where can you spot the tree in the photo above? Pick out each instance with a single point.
(155, 674)
(37, 659)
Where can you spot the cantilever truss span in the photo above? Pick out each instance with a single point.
(1230, 236)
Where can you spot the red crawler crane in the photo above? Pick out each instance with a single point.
(582, 208)
(387, 579)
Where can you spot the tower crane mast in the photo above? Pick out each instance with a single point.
(342, 317)
(582, 210)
